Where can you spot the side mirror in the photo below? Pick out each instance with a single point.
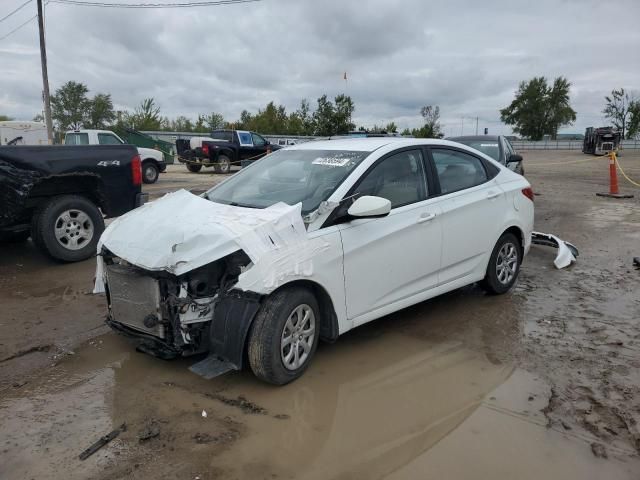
(370, 207)
(514, 158)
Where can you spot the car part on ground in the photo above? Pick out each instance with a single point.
(567, 252)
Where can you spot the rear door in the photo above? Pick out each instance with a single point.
(472, 205)
(245, 141)
(390, 259)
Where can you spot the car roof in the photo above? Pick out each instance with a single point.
(491, 138)
(367, 144)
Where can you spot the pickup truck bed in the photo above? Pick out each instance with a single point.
(59, 195)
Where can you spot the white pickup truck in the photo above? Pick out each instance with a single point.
(152, 160)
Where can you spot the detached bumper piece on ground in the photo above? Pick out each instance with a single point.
(567, 252)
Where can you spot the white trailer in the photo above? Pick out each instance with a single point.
(23, 132)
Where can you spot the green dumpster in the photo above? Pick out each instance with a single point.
(139, 139)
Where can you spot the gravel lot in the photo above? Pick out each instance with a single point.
(542, 382)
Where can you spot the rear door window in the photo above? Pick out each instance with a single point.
(245, 139)
(457, 170)
(76, 139)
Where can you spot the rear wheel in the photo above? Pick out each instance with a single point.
(504, 265)
(223, 165)
(67, 228)
(284, 336)
(150, 172)
(194, 167)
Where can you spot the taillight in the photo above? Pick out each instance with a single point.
(528, 192)
(205, 149)
(136, 171)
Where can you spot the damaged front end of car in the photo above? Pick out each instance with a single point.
(188, 287)
(171, 316)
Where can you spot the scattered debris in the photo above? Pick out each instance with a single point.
(225, 437)
(567, 252)
(636, 262)
(19, 383)
(149, 431)
(598, 450)
(103, 441)
(282, 416)
(204, 414)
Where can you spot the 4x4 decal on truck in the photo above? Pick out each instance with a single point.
(109, 163)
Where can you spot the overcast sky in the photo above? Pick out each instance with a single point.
(466, 56)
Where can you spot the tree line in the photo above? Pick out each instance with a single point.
(72, 108)
(538, 109)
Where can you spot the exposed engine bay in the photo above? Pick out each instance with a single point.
(170, 316)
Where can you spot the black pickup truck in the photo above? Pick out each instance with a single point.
(223, 149)
(59, 195)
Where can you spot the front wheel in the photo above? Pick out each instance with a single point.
(504, 265)
(67, 228)
(150, 172)
(284, 336)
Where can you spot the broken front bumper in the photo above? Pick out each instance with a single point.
(567, 252)
(163, 320)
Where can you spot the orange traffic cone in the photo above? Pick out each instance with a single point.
(613, 180)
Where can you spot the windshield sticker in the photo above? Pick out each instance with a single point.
(331, 162)
(488, 144)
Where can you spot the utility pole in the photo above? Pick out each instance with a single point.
(45, 75)
(476, 126)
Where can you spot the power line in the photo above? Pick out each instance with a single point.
(19, 27)
(205, 3)
(16, 10)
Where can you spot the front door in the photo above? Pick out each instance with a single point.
(390, 259)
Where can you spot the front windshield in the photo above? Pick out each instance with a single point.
(289, 176)
(487, 147)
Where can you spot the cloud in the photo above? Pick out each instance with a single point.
(466, 56)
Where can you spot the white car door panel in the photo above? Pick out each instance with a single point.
(471, 215)
(391, 258)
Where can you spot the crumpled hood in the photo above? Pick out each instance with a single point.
(181, 232)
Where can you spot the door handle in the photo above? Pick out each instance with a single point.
(491, 195)
(426, 217)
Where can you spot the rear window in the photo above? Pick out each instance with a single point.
(76, 139)
(222, 136)
(490, 148)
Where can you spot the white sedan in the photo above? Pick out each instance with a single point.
(308, 243)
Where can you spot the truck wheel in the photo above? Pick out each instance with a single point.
(149, 172)
(194, 167)
(284, 336)
(67, 228)
(223, 165)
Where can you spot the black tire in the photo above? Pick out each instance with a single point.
(150, 172)
(265, 350)
(223, 165)
(194, 167)
(493, 282)
(14, 237)
(48, 216)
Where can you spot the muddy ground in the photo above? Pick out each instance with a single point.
(543, 382)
